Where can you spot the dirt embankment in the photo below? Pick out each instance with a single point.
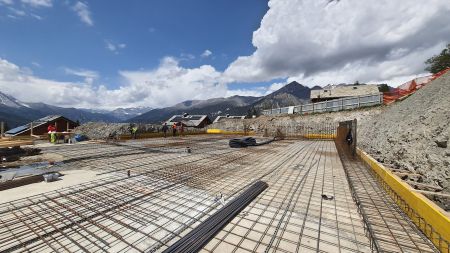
(272, 123)
(413, 135)
(100, 130)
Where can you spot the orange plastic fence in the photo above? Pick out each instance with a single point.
(410, 87)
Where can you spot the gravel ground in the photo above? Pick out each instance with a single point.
(100, 130)
(413, 135)
(291, 121)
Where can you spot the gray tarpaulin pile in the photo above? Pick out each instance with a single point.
(247, 141)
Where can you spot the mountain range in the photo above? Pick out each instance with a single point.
(16, 112)
(290, 94)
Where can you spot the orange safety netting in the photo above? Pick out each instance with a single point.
(410, 87)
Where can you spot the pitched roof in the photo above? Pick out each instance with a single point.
(36, 123)
(188, 120)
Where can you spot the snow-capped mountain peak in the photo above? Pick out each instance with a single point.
(10, 101)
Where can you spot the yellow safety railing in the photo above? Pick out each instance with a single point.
(220, 131)
(320, 136)
(430, 218)
(308, 136)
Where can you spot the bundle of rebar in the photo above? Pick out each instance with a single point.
(195, 240)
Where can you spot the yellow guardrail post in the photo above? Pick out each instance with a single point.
(220, 131)
(430, 218)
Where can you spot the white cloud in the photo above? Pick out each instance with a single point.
(186, 57)
(82, 10)
(366, 41)
(274, 87)
(169, 84)
(36, 16)
(258, 92)
(17, 12)
(206, 53)
(393, 72)
(88, 75)
(165, 85)
(6, 2)
(114, 47)
(38, 3)
(22, 84)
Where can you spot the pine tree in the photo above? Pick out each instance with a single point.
(439, 62)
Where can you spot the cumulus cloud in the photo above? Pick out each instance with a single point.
(167, 84)
(82, 10)
(38, 3)
(312, 39)
(170, 84)
(21, 83)
(206, 53)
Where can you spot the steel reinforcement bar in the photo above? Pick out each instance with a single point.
(428, 217)
(202, 234)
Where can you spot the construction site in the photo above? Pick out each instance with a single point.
(312, 183)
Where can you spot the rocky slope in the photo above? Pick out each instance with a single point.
(236, 105)
(291, 121)
(102, 130)
(291, 94)
(413, 135)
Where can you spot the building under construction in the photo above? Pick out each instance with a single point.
(307, 192)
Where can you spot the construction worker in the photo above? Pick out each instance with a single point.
(165, 128)
(174, 129)
(49, 130)
(134, 131)
(181, 129)
(52, 133)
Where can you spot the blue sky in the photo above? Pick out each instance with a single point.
(108, 54)
(147, 31)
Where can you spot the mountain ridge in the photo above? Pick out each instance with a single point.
(293, 93)
(16, 112)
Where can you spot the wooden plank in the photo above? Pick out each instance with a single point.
(6, 144)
